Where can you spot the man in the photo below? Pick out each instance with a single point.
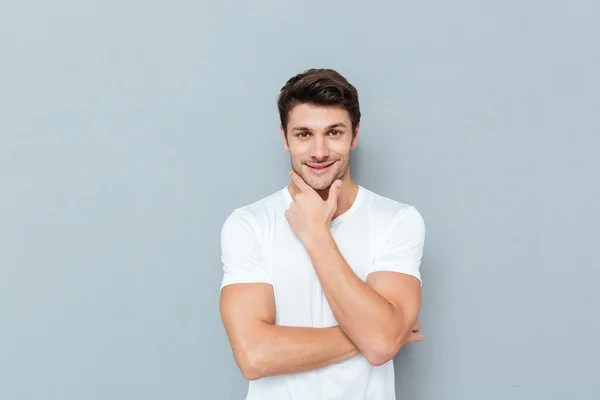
(321, 283)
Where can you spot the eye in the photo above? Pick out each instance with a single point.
(335, 132)
(303, 134)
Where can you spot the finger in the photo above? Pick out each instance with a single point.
(413, 337)
(334, 193)
(299, 182)
(417, 337)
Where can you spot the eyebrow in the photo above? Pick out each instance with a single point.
(336, 125)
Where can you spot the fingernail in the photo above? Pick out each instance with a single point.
(339, 183)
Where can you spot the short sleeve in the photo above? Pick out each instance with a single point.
(402, 246)
(242, 251)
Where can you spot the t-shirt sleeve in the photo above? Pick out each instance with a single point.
(402, 247)
(242, 253)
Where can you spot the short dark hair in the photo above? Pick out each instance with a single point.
(324, 87)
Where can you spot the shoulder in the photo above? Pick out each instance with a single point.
(256, 216)
(387, 208)
(389, 213)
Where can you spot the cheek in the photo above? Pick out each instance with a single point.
(295, 156)
(339, 147)
(298, 150)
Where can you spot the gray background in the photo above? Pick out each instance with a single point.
(131, 129)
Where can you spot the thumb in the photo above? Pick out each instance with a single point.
(334, 192)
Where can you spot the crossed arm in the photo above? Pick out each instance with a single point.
(375, 317)
(261, 348)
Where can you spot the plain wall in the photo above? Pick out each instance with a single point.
(129, 130)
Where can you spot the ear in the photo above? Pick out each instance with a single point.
(285, 142)
(355, 138)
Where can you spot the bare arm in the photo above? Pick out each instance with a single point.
(261, 348)
(376, 315)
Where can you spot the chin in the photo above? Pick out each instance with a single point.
(321, 188)
(316, 182)
(320, 185)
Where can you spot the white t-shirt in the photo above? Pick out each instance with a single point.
(258, 245)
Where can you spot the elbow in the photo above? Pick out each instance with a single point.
(376, 358)
(381, 352)
(250, 373)
(249, 366)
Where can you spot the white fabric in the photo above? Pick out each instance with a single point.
(258, 245)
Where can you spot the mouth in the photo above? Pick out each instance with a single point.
(320, 169)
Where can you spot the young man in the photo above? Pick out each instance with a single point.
(321, 283)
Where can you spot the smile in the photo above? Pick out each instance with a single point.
(320, 168)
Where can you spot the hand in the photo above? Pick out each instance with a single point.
(414, 335)
(309, 215)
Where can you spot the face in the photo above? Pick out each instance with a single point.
(319, 140)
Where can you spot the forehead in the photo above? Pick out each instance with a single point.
(316, 116)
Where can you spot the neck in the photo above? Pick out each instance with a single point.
(346, 198)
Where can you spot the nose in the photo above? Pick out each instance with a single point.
(319, 149)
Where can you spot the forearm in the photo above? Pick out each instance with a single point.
(282, 349)
(364, 315)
